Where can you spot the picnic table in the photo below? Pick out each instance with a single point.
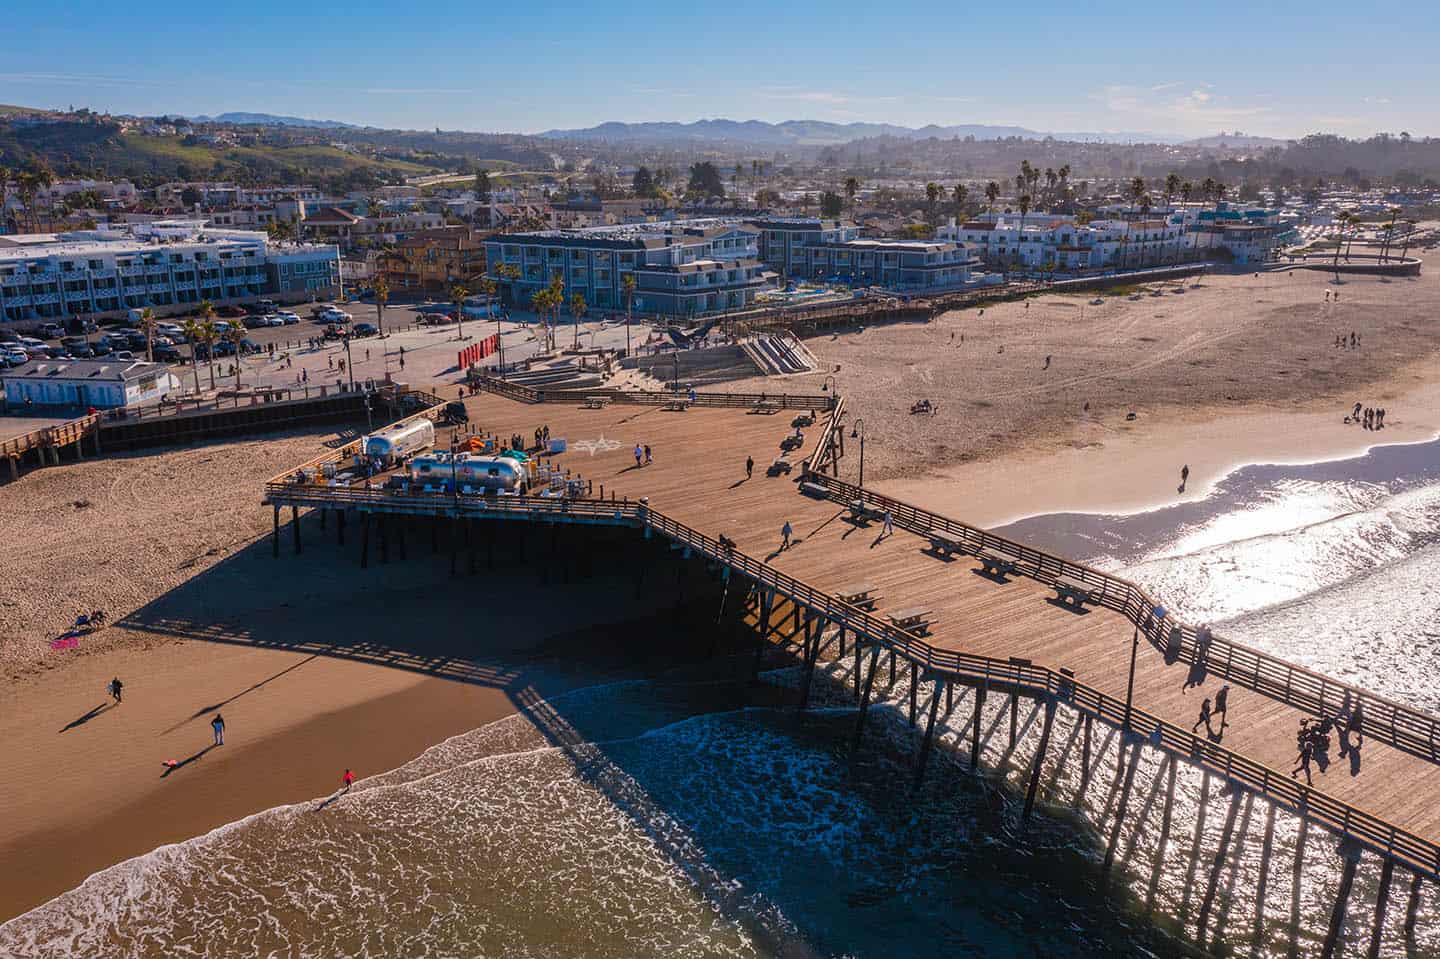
(995, 564)
(765, 408)
(861, 513)
(943, 543)
(862, 595)
(792, 442)
(596, 402)
(676, 406)
(780, 467)
(1073, 592)
(915, 619)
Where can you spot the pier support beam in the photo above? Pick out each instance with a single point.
(1200, 812)
(1039, 761)
(1342, 899)
(1129, 768)
(929, 740)
(1218, 864)
(295, 524)
(275, 539)
(1382, 902)
(364, 540)
(1084, 760)
(865, 702)
(1295, 877)
(1412, 909)
(340, 526)
(1257, 938)
(975, 728)
(1014, 716)
(1164, 835)
(914, 683)
(381, 528)
(814, 627)
(767, 603)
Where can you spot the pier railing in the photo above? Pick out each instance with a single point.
(826, 451)
(434, 408)
(1397, 724)
(47, 437)
(1020, 676)
(785, 401)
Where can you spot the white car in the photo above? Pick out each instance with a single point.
(269, 319)
(287, 317)
(14, 355)
(332, 315)
(170, 330)
(29, 341)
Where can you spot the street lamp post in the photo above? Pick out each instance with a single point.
(349, 362)
(859, 430)
(1130, 684)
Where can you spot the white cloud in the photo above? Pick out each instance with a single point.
(1162, 109)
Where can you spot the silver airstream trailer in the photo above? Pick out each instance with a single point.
(387, 446)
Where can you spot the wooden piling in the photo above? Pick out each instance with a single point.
(1257, 938)
(814, 626)
(1342, 900)
(1039, 762)
(275, 539)
(1014, 715)
(865, 701)
(914, 683)
(975, 728)
(1217, 864)
(767, 602)
(295, 524)
(857, 668)
(1382, 901)
(1164, 835)
(364, 540)
(929, 740)
(1084, 760)
(1295, 876)
(1124, 801)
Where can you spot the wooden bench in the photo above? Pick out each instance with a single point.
(676, 406)
(815, 490)
(803, 420)
(596, 402)
(915, 619)
(861, 595)
(860, 513)
(792, 442)
(996, 565)
(943, 544)
(1075, 593)
(765, 409)
(781, 467)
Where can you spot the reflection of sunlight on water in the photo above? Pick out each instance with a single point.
(1290, 506)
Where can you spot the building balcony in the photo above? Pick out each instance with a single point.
(132, 271)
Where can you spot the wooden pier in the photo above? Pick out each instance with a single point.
(45, 443)
(999, 629)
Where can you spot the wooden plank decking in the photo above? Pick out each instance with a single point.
(698, 477)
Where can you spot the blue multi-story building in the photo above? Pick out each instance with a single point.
(803, 248)
(681, 267)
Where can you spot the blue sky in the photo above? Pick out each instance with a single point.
(1275, 68)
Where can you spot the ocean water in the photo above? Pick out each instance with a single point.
(698, 814)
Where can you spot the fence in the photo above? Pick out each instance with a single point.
(1401, 726)
(49, 437)
(1019, 676)
(787, 401)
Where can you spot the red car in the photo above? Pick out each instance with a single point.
(334, 332)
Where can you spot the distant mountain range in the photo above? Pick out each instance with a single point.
(812, 133)
(271, 120)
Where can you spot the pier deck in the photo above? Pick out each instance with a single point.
(698, 478)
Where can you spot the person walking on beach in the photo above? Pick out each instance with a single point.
(1355, 415)
(749, 466)
(1204, 717)
(785, 533)
(349, 780)
(217, 725)
(1184, 474)
(116, 688)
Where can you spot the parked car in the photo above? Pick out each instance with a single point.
(267, 306)
(248, 346)
(332, 315)
(9, 336)
(101, 348)
(288, 318)
(51, 352)
(82, 351)
(114, 340)
(51, 331)
(72, 341)
(364, 329)
(14, 356)
(170, 330)
(123, 355)
(269, 319)
(334, 332)
(166, 353)
(77, 325)
(231, 311)
(435, 319)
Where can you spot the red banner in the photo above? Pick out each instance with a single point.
(473, 354)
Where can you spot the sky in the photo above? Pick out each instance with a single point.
(1272, 69)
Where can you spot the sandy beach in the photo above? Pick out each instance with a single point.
(1237, 370)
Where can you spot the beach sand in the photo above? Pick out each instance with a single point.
(171, 542)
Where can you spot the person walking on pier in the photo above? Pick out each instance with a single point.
(888, 529)
(749, 466)
(786, 532)
(1303, 760)
(217, 725)
(116, 688)
(1222, 702)
(639, 456)
(1204, 717)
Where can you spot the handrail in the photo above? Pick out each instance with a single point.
(1404, 727)
(824, 445)
(58, 434)
(528, 394)
(1411, 850)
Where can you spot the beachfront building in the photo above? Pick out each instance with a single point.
(1049, 241)
(681, 267)
(169, 265)
(812, 248)
(102, 384)
(1246, 234)
(784, 241)
(433, 260)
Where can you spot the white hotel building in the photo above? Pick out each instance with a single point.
(169, 265)
(1056, 240)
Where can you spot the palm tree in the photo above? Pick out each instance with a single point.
(235, 333)
(458, 292)
(1064, 174)
(1024, 209)
(932, 196)
(1144, 215)
(960, 194)
(577, 310)
(852, 187)
(4, 193)
(192, 336)
(627, 287)
(1172, 184)
(1051, 178)
(382, 296)
(27, 186)
(992, 193)
(147, 323)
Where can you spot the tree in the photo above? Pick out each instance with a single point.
(191, 330)
(1024, 209)
(458, 292)
(235, 333)
(1144, 214)
(4, 194)
(705, 180)
(643, 183)
(482, 186)
(992, 193)
(1172, 183)
(280, 230)
(933, 191)
(1342, 219)
(627, 287)
(209, 334)
(577, 311)
(852, 187)
(147, 323)
(959, 195)
(382, 296)
(1137, 189)
(830, 204)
